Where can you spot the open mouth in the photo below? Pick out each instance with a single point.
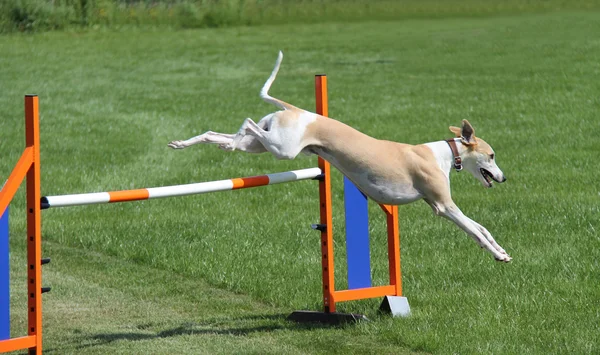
(487, 176)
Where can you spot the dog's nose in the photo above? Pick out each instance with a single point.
(503, 178)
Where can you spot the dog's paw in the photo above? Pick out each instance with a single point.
(176, 145)
(229, 147)
(505, 258)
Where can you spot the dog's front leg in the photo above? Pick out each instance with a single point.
(453, 213)
(488, 235)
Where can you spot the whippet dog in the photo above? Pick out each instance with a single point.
(387, 172)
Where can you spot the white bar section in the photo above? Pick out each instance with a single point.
(78, 200)
(179, 190)
(293, 175)
(190, 189)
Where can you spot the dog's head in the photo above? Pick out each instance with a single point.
(479, 157)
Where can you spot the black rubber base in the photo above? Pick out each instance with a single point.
(326, 318)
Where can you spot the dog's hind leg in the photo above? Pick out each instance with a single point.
(209, 137)
(248, 144)
(249, 129)
(281, 142)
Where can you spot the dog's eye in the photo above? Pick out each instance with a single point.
(492, 156)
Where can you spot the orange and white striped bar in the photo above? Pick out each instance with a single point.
(178, 190)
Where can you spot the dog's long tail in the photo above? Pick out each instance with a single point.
(264, 92)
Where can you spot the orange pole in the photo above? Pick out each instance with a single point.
(325, 207)
(17, 343)
(15, 179)
(29, 166)
(363, 293)
(394, 250)
(34, 242)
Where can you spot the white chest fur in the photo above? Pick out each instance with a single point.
(380, 188)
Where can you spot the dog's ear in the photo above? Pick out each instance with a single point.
(455, 130)
(467, 134)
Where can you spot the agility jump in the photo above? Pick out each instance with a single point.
(28, 167)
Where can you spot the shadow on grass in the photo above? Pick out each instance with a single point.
(237, 326)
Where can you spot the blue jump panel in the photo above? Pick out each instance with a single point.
(4, 279)
(357, 237)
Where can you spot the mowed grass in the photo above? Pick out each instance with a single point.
(219, 272)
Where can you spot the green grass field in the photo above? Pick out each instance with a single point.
(218, 273)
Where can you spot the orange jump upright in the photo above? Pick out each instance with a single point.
(28, 167)
(392, 292)
(326, 225)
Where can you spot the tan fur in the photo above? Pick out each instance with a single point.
(455, 130)
(391, 164)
